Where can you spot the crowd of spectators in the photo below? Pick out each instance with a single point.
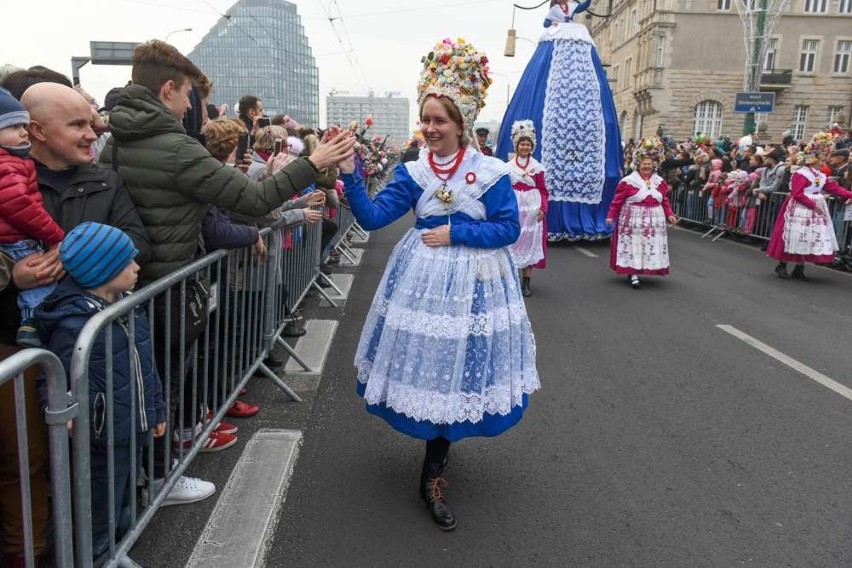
(95, 197)
(730, 184)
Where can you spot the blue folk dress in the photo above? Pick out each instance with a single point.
(564, 89)
(447, 348)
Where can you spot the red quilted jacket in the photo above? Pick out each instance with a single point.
(22, 214)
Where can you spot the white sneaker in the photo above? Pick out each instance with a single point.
(186, 490)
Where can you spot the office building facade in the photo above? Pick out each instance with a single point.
(678, 64)
(390, 113)
(260, 48)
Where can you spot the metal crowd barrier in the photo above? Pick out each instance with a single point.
(250, 298)
(60, 410)
(755, 218)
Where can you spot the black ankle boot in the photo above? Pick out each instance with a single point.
(781, 270)
(431, 491)
(799, 273)
(525, 287)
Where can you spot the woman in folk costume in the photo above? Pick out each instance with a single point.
(564, 90)
(803, 231)
(447, 350)
(527, 175)
(640, 210)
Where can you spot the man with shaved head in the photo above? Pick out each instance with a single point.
(74, 191)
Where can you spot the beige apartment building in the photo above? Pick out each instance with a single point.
(677, 64)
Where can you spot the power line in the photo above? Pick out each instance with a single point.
(350, 50)
(352, 47)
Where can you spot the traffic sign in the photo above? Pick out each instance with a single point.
(754, 102)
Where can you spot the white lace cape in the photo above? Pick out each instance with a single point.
(516, 174)
(466, 188)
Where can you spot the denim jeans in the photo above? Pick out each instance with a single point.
(123, 492)
(28, 300)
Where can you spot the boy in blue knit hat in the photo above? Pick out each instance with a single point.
(25, 227)
(100, 266)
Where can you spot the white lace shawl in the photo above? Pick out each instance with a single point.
(487, 171)
(812, 177)
(516, 174)
(636, 181)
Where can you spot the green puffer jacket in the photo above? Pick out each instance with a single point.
(172, 179)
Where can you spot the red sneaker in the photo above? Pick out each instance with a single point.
(218, 441)
(242, 409)
(223, 427)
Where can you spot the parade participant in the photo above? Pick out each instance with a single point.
(804, 231)
(447, 351)
(482, 140)
(564, 90)
(639, 210)
(527, 176)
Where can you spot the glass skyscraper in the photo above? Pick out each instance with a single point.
(260, 48)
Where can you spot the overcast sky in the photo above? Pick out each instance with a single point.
(388, 38)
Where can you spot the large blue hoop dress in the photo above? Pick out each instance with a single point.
(564, 89)
(447, 348)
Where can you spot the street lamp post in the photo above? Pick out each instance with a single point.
(176, 32)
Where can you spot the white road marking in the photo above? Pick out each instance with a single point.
(585, 252)
(842, 390)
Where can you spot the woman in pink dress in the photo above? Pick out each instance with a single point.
(640, 210)
(804, 231)
(527, 175)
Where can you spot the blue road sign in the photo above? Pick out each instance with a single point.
(754, 102)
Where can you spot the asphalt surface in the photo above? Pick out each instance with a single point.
(657, 438)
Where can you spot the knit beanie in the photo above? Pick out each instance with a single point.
(93, 254)
(12, 112)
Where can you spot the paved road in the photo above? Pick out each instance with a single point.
(658, 439)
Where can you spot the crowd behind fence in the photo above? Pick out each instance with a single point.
(249, 300)
(752, 217)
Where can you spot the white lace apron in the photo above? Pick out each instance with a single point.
(573, 138)
(806, 232)
(447, 338)
(529, 248)
(642, 238)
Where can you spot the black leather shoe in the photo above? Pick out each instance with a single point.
(432, 493)
(781, 271)
(293, 330)
(273, 362)
(799, 273)
(526, 292)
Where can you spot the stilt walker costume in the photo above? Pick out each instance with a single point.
(447, 350)
(804, 231)
(640, 210)
(527, 175)
(564, 90)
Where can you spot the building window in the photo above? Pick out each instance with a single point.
(707, 119)
(831, 115)
(807, 60)
(845, 7)
(761, 117)
(723, 5)
(628, 72)
(800, 121)
(771, 51)
(634, 22)
(842, 55)
(661, 51)
(816, 6)
(615, 70)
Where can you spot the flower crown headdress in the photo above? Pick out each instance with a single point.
(523, 129)
(820, 146)
(456, 70)
(648, 148)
